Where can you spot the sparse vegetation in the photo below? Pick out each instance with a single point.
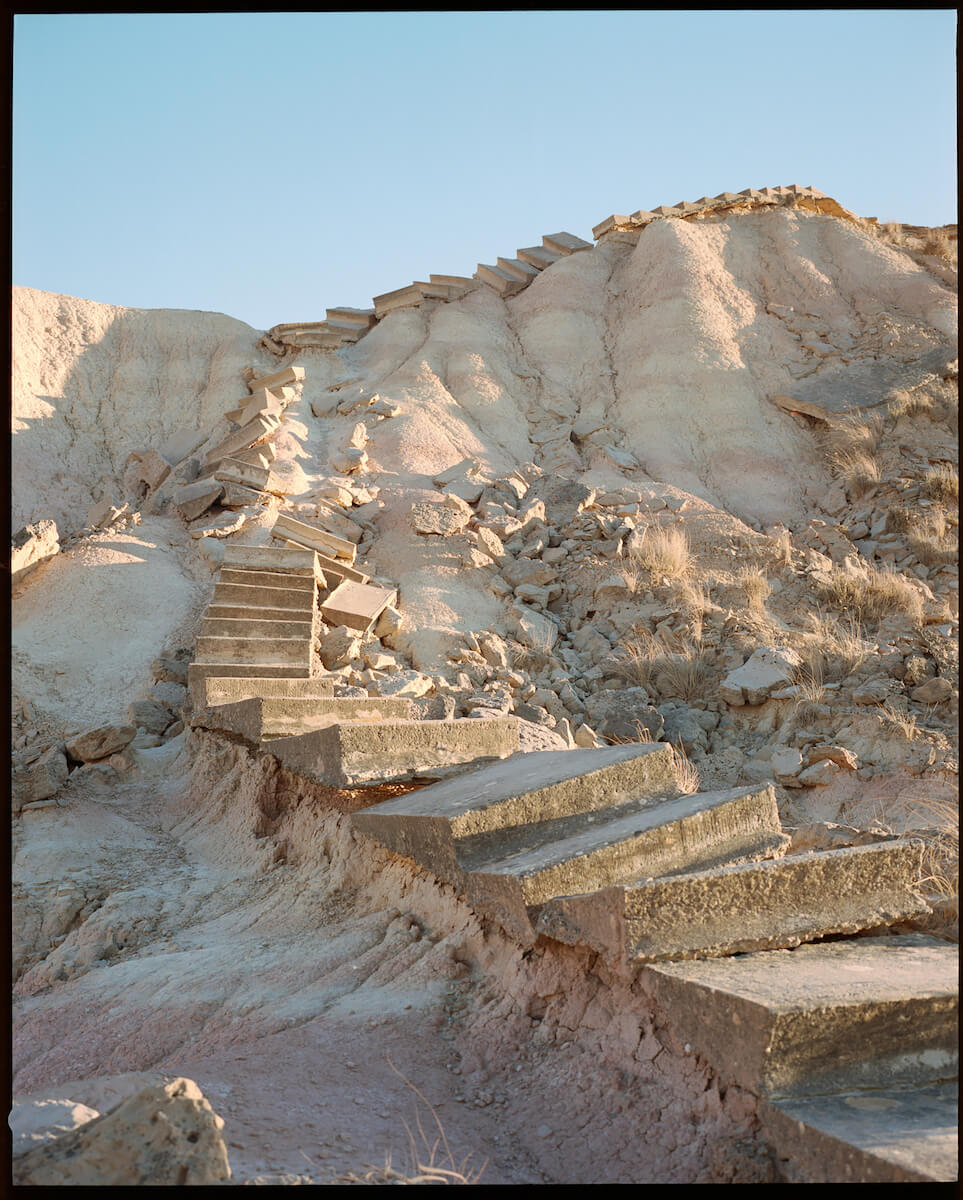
(910, 404)
(757, 589)
(895, 718)
(645, 661)
(833, 649)
(810, 696)
(857, 470)
(686, 773)
(941, 483)
(872, 596)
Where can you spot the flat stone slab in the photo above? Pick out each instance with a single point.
(440, 519)
(357, 605)
(278, 579)
(197, 672)
(255, 628)
(841, 388)
(835, 1016)
(230, 470)
(313, 538)
(776, 904)
(262, 717)
(891, 1135)
(354, 755)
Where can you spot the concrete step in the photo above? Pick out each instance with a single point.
(293, 651)
(261, 455)
(243, 612)
(261, 401)
(251, 577)
(433, 291)
(229, 470)
(399, 298)
(362, 318)
(565, 243)
(513, 873)
(228, 689)
(248, 596)
(503, 283)
(736, 909)
(891, 1135)
(538, 256)
(257, 628)
(313, 538)
(334, 519)
(268, 717)
(871, 1012)
(297, 561)
(262, 427)
(198, 672)
(362, 754)
(526, 791)
(518, 269)
(458, 285)
(238, 495)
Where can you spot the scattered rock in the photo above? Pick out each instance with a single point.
(339, 647)
(625, 713)
(101, 743)
(31, 546)
(440, 519)
(36, 1122)
(37, 776)
(765, 671)
(150, 715)
(934, 691)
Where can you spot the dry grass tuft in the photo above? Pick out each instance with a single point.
(806, 705)
(833, 649)
(896, 719)
(941, 483)
(646, 661)
(756, 588)
(857, 470)
(872, 596)
(665, 552)
(941, 856)
(686, 773)
(910, 404)
(938, 244)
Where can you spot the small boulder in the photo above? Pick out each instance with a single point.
(934, 691)
(339, 647)
(37, 776)
(764, 672)
(150, 715)
(100, 743)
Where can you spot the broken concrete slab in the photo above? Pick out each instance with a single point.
(144, 470)
(221, 526)
(409, 684)
(333, 519)
(289, 529)
(462, 469)
(834, 1016)
(736, 909)
(334, 570)
(362, 754)
(256, 431)
(357, 605)
(288, 375)
(231, 470)
(236, 495)
(260, 455)
(193, 499)
(31, 546)
(261, 401)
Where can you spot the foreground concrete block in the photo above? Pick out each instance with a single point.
(288, 375)
(893, 1135)
(32, 545)
(291, 530)
(267, 717)
(736, 909)
(866, 1013)
(353, 755)
(357, 605)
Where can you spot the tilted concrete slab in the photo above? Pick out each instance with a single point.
(248, 596)
(237, 495)
(518, 268)
(512, 873)
(229, 470)
(357, 605)
(256, 578)
(363, 318)
(335, 521)
(193, 499)
(736, 909)
(268, 717)
(296, 651)
(228, 689)
(313, 538)
(334, 569)
(565, 243)
(525, 791)
(242, 439)
(400, 298)
(296, 561)
(614, 221)
(256, 627)
(261, 455)
(894, 1135)
(261, 401)
(834, 1016)
(286, 376)
(503, 283)
(539, 257)
(356, 755)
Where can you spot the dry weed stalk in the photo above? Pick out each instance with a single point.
(833, 649)
(895, 718)
(941, 483)
(431, 1163)
(686, 772)
(940, 873)
(681, 670)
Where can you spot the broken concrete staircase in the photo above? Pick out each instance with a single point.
(509, 275)
(518, 834)
(262, 618)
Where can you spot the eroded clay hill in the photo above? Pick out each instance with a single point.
(390, 685)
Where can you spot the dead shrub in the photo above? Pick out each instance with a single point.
(910, 404)
(680, 671)
(872, 596)
(832, 649)
(857, 470)
(686, 772)
(941, 483)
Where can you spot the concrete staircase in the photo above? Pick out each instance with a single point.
(849, 1043)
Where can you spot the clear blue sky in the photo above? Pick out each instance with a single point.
(270, 165)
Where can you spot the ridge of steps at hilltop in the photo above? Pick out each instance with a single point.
(851, 1046)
